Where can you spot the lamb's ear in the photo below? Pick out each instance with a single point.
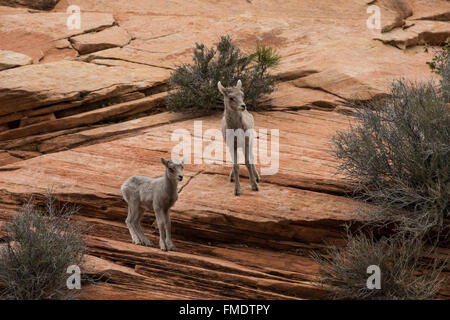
(239, 84)
(221, 88)
(164, 162)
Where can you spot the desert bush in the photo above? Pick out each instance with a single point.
(42, 245)
(440, 59)
(396, 155)
(440, 65)
(194, 86)
(402, 262)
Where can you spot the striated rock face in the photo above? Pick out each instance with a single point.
(227, 244)
(35, 4)
(40, 35)
(86, 110)
(69, 81)
(419, 33)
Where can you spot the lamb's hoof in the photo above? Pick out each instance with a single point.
(143, 243)
(237, 192)
(162, 245)
(171, 247)
(255, 187)
(147, 243)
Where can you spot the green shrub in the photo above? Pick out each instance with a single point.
(437, 64)
(33, 265)
(402, 261)
(194, 86)
(397, 154)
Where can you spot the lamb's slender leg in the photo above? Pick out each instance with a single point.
(130, 221)
(143, 239)
(168, 226)
(255, 173)
(252, 165)
(232, 175)
(160, 219)
(237, 186)
(251, 173)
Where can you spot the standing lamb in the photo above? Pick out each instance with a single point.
(239, 121)
(154, 194)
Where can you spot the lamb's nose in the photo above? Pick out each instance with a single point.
(243, 106)
(180, 178)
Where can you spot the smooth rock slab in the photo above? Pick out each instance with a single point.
(10, 59)
(39, 35)
(105, 39)
(34, 86)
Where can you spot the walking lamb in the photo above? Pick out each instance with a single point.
(237, 120)
(154, 194)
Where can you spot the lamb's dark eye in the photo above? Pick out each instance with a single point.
(231, 98)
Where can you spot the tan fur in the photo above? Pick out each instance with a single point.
(153, 194)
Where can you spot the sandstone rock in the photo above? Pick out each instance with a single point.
(259, 242)
(24, 154)
(9, 59)
(62, 44)
(68, 138)
(96, 41)
(65, 81)
(35, 4)
(90, 117)
(254, 247)
(4, 127)
(420, 33)
(85, 171)
(393, 13)
(430, 10)
(38, 35)
(281, 218)
(307, 45)
(370, 74)
(288, 96)
(54, 24)
(28, 121)
(6, 158)
(64, 140)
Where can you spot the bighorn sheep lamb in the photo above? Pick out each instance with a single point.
(237, 117)
(154, 194)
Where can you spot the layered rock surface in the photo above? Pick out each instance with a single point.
(88, 113)
(35, 4)
(296, 210)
